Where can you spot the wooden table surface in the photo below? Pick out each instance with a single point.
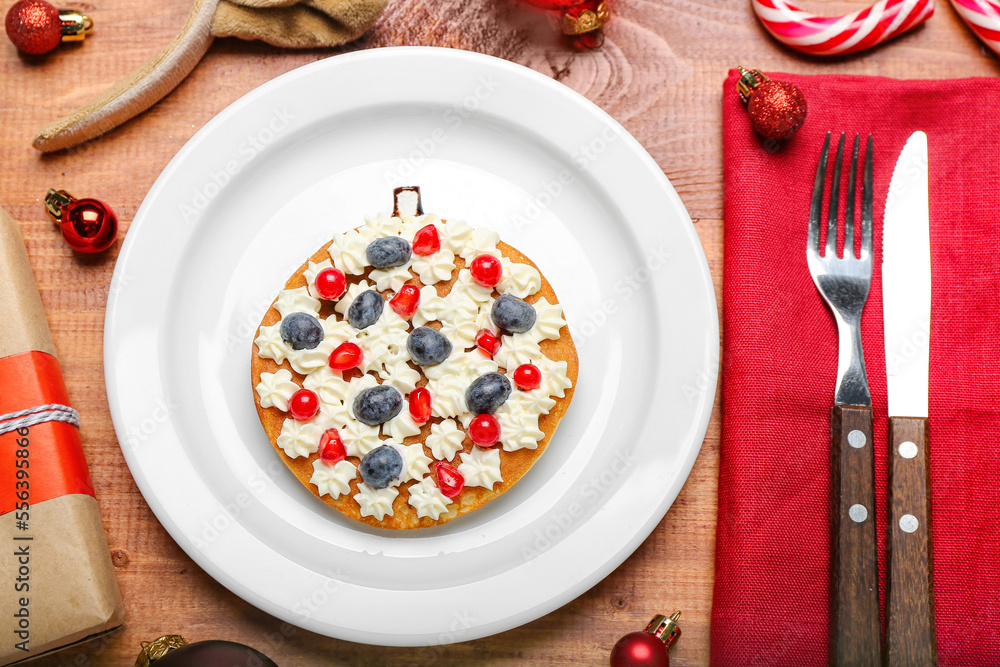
(659, 73)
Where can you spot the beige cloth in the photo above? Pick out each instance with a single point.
(287, 23)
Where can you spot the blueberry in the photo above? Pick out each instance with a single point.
(512, 314)
(365, 309)
(388, 252)
(487, 393)
(302, 331)
(427, 346)
(380, 466)
(377, 405)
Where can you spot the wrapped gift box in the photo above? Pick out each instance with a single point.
(60, 583)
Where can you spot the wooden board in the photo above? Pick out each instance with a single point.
(660, 73)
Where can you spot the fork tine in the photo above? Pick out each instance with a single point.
(816, 208)
(849, 205)
(831, 223)
(866, 203)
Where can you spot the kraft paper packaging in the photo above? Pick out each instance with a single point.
(58, 581)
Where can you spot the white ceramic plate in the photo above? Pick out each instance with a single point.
(305, 157)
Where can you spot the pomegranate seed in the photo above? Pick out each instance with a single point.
(527, 377)
(331, 283)
(487, 342)
(486, 270)
(303, 405)
(484, 430)
(420, 405)
(406, 301)
(345, 357)
(426, 241)
(450, 481)
(331, 447)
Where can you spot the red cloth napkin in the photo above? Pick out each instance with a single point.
(780, 358)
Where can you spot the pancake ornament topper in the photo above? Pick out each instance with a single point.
(412, 369)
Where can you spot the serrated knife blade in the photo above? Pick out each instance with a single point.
(906, 281)
(906, 309)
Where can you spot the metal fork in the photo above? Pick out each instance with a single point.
(844, 284)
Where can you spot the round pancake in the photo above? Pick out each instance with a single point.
(513, 465)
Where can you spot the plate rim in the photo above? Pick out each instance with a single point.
(187, 543)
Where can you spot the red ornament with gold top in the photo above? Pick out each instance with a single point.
(36, 27)
(650, 647)
(777, 108)
(175, 651)
(87, 225)
(582, 20)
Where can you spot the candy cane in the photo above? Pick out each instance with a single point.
(983, 18)
(822, 35)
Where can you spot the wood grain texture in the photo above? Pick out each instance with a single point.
(659, 73)
(910, 636)
(854, 611)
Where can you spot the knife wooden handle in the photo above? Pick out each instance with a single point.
(854, 611)
(910, 636)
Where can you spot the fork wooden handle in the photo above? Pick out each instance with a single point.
(910, 635)
(854, 611)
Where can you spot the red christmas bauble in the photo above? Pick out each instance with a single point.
(582, 20)
(777, 109)
(87, 225)
(213, 653)
(640, 649)
(34, 26)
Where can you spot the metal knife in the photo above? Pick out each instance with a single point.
(906, 307)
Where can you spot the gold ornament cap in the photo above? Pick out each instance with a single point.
(74, 25)
(156, 649)
(586, 21)
(665, 629)
(749, 79)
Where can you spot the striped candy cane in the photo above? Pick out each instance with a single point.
(983, 17)
(824, 36)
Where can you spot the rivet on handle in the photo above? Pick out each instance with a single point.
(856, 439)
(907, 449)
(858, 513)
(908, 523)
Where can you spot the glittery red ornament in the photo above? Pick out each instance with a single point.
(87, 225)
(649, 648)
(777, 108)
(35, 26)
